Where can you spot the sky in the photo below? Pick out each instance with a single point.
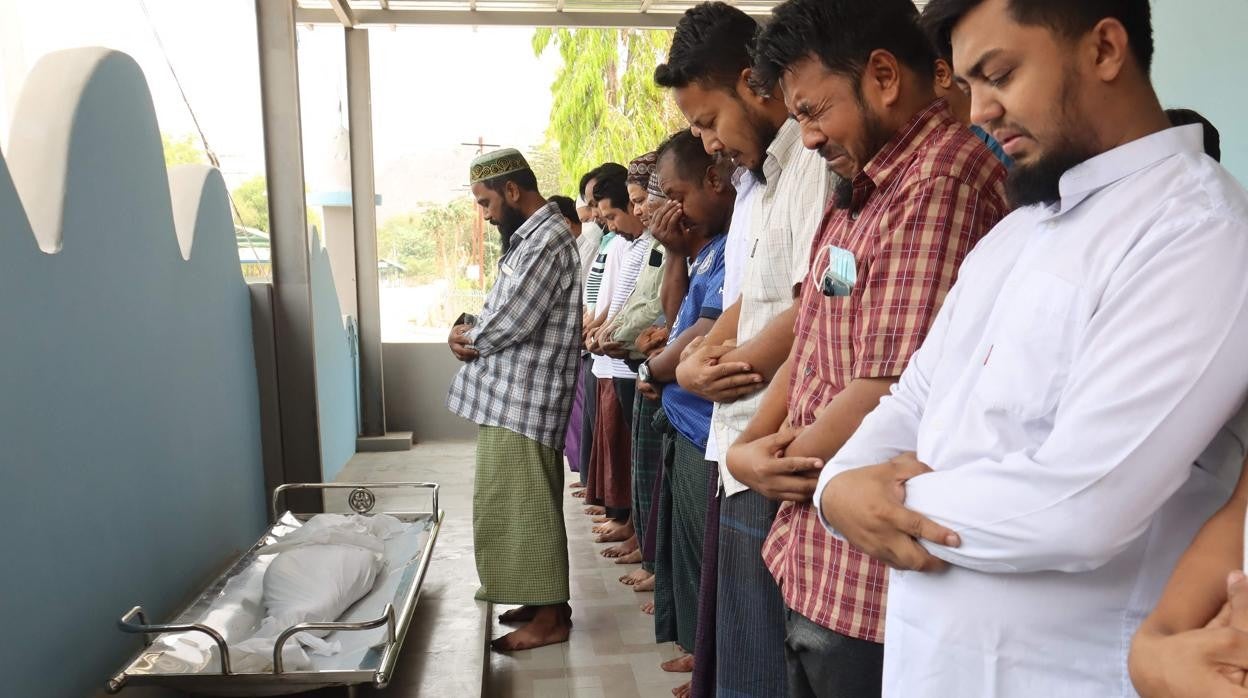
(433, 87)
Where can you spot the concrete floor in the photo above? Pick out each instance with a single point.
(612, 653)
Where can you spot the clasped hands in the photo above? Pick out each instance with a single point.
(866, 505)
(460, 344)
(702, 372)
(1208, 662)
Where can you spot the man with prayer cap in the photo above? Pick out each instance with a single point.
(519, 370)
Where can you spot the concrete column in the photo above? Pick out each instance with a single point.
(292, 292)
(364, 215)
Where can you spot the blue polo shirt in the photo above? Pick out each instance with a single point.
(688, 413)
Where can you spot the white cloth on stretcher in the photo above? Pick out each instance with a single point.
(311, 574)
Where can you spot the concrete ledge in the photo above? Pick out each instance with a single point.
(392, 441)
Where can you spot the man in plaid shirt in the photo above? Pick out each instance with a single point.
(520, 362)
(919, 191)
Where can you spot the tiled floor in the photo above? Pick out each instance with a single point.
(612, 653)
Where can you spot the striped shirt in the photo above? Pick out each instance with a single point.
(593, 280)
(624, 263)
(587, 247)
(917, 209)
(528, 337)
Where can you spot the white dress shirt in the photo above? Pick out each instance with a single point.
(736, 248)
(784, 216)
(1071, 399)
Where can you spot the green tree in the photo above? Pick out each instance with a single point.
(251, 199)
(182, 151)
(544, 160)
(606, 105)
(435, 242)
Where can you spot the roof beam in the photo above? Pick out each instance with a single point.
(343, 12)
(645, 6)
(559, 5)
(385, 4)
(648, 20)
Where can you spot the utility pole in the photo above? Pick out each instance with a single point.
(478, 226)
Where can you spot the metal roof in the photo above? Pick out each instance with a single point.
(535, 13)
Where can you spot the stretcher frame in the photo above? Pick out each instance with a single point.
(378, 666)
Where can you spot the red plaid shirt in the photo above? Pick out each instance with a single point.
(917, 209)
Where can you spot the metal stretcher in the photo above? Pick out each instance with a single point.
(374, 665)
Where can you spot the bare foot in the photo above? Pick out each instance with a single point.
(618, 534)
(608, 526)
(645, 585)
(628, 547)
(550, 625)
(630, 559)
(580, 494)
(601, 519)
(576, 485)
(635, 577)
(515, 616)
(648, 608)
(595, 510)
(679, 665)
(684, 690)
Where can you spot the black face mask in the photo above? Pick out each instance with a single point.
(511, 221)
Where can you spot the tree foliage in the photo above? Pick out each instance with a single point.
(251, 199)
(606, 105)
(182, 151)
(437, 243)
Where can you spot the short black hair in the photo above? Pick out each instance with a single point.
(691, 158)
(567, 207)
(841, 34)
(1067, 18)
(614, 189)
(1213, 139)
(592, 174)
(525, 179)
(711, 46)
(606, 169)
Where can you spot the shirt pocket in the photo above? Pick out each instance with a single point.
(1027, 364)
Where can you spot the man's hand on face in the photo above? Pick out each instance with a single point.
(867, 506)
(701, 373)
(460, 345)
(668, 223)
(762, 466)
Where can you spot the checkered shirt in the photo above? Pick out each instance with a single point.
(528, 337)
(917, 209)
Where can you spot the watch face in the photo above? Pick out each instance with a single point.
(643, 372)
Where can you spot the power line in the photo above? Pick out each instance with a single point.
(203, 138)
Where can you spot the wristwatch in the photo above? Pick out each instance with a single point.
(643, 372)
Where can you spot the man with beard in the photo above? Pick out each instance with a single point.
(919, 190)
(516, 383)
(781, 192)
(1053, 446)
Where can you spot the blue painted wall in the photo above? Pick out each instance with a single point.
(130, 460)
(336, 392)
(1200, 64)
